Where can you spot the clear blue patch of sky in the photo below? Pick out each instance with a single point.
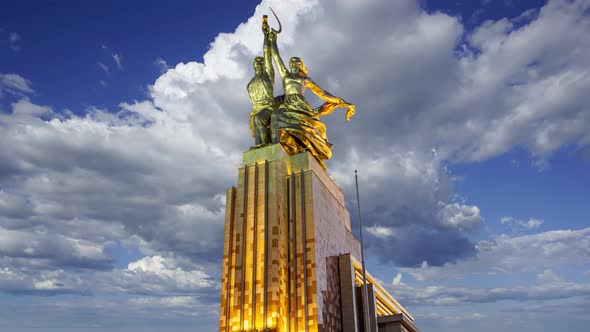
(473, 12)
(512, 185)
(124, 254)
(62, 43)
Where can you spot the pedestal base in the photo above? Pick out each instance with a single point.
(286, 231)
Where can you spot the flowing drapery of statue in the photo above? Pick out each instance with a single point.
(289, 119)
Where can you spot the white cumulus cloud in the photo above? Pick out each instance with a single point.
(532, 223)
(159, 276)
(14, 83)
(464, 217)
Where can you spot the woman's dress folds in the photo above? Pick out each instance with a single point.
(299, 128)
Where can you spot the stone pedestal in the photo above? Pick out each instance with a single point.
(284, 220)
(255, 270)
(286, 229)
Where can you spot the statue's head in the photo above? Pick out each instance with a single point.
(258, 64)
(297, 66)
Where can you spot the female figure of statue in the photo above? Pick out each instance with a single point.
(294, 124)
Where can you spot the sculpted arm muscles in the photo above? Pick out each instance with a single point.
(325, 95)
(332, 103)
(267, 55)
(283, 71)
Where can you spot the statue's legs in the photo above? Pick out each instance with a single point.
(274, 121)
(260, 124)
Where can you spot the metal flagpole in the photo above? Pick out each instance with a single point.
(365, 291)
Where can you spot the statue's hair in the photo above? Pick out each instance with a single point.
(302, 67)
(257, 61)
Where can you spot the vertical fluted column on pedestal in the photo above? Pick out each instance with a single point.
(255, 272)
(320, 214)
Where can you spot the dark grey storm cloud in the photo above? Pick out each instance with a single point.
(524, 253)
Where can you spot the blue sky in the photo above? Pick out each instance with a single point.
(65, 40)
(124, 122)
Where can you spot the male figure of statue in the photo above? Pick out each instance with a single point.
(260, 90)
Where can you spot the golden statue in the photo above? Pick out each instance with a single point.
(293, 123)
(260, 90)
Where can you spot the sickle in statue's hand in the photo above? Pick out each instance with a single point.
(280, 26)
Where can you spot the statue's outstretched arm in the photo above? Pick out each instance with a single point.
(325, 95)
(283, 71)
(332, 102)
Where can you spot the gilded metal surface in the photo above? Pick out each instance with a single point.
(289, 119)
(260, 90)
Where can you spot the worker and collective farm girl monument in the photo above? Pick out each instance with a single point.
(290, 261)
